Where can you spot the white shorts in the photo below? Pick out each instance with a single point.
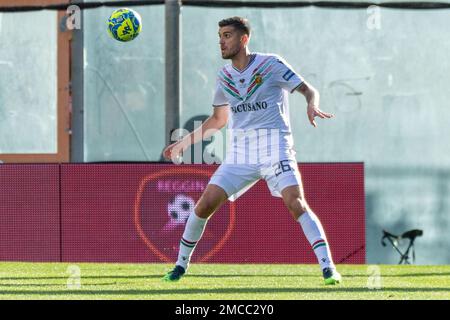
(236, 179)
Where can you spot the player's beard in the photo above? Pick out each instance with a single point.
(231, 54)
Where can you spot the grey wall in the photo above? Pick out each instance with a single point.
(124, 89)
(28, 121)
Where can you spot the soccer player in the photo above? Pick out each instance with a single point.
(251, 94)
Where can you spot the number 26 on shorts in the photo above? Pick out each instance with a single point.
(281, 167)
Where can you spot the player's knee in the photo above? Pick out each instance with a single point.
(205, 208)
(296, 205)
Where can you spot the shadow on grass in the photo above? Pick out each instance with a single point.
(331, 290)
(219, 276)
(13, 285)
(83, 277)
(431, 274)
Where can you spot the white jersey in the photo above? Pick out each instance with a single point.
(258, 96)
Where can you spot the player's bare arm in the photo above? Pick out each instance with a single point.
(211, 125)
(313, 97)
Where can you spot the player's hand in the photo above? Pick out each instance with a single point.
(314, 111)
(174, 152)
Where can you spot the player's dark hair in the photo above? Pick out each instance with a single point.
(238, 23)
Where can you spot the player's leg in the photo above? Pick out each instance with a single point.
(294, 199)
(284, 180)
(229, 181)
(211, 200)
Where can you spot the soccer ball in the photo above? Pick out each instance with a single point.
(124, 24)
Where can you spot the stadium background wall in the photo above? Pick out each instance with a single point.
(119, 213)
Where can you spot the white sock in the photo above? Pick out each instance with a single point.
(316, 236)
(192, 233)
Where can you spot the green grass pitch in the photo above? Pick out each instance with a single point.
(218, 281)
